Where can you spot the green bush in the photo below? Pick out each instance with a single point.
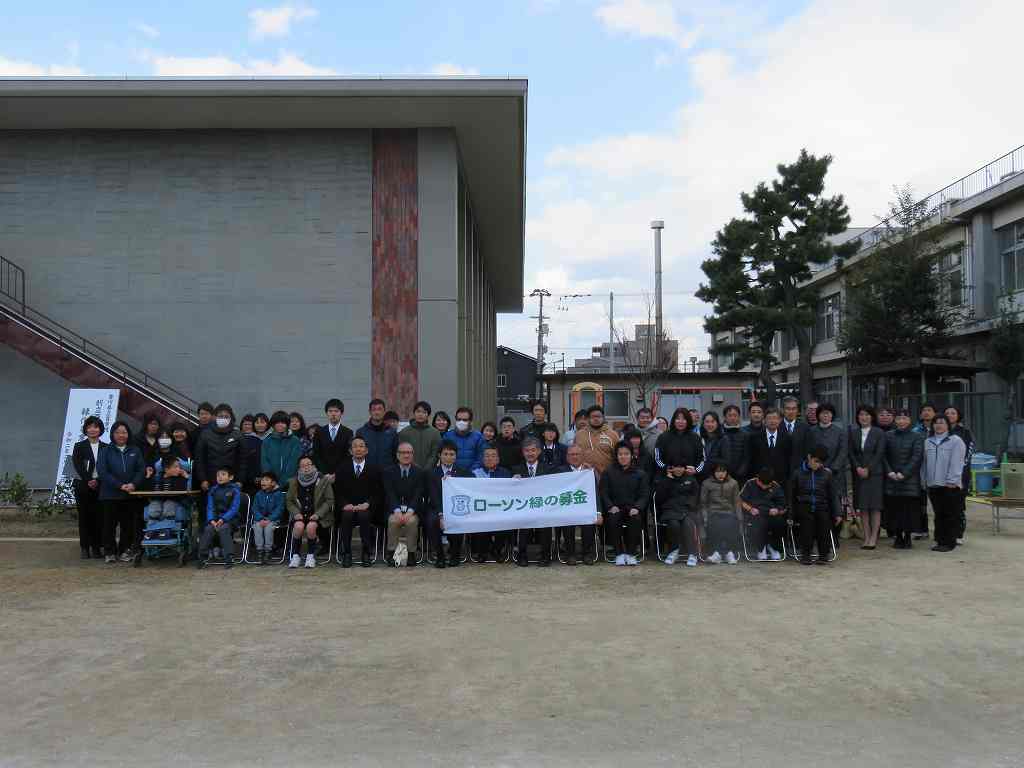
(15, 490)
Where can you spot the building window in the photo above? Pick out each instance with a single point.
(826, 324)
(502, 381)
(616, 403)
(1011, 248)
(831, 390)
(588, 397)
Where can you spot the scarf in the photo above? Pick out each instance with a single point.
(307, 479)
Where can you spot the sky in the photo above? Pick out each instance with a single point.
(638, 109)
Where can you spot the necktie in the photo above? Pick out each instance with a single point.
(334, 433)
(405, 474)
(771, 441)
(789, 427)
(359, 469)
(532, 470)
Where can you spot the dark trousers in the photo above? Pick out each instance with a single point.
(814, 528)
(623, 531)
(90, 517)
(765, 529)
(946, 506)
(904, 512)
(922, 514)
(348, 521)
(685, 533)
(222, 534)
(723, 533)
(543, 538)
(432, 530)
(587, 539)
(118, 514)
(486, 543)
(962, 526)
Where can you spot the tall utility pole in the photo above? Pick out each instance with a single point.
(542, 331)
(611, 331)
(657, 225)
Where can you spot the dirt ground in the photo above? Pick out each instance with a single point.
(885, 658)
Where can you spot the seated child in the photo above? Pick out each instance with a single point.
(814, 502)
(764, 508)
(267, 513)
(170, 476)
(222, 504)
(720, 504)
(310, 504)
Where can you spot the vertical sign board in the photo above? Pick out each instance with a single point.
(83, 403)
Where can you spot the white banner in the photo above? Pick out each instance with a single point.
(83, 403)
(477, 505)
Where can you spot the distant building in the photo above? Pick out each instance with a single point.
(517, 380)
(630, 354)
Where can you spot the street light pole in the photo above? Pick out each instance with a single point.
(657, 225)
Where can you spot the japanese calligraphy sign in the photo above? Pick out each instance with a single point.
(83, 403)
(476, 505)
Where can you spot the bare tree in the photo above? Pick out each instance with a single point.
(645, 360)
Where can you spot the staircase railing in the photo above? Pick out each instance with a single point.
(12, 293)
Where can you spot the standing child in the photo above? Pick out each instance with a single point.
(720, 503)
(267, 513)
(222, 502)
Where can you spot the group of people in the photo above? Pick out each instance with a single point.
(717, 486)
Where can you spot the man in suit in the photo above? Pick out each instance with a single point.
(771, 448)
(359, 498)
(490, 544)
(798, 432)
(331, 444)
(446, 467)
(532, 467)
(588, 533)
(405, 489)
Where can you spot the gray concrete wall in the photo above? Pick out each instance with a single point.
(232, 265)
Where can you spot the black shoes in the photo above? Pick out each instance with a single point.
(570, 559)
(96, 553)
(201, 563)
(365, 561)
(805, 560)
(389, 559)
(346, 559)
(86, 555)
(263, 557)
(821, 561)
(544, 562)
(439, 562)
(522, 562)
(454, 561)
(941, 548)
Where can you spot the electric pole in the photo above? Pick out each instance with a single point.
(657, 225)
(542, 331)
(611, 331)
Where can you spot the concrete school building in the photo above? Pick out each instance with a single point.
(267, 243)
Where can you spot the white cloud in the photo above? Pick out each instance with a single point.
(15, 68)
(277, 22)
(912, 99)
(447, 69)
(646, 19)
(146, 29)
(207, 66)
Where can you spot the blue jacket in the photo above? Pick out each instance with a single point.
(268, 505)
(499, 473)
(280, 455)
(222, 501)
(470, 447)
(116, 468)
(381, 444)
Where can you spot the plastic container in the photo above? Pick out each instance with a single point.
(984, 482)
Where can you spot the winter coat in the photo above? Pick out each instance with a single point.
(553, 456)
(323, 501)
(836, 442)
(223, 502)
(904, 452)
(815, 489)
(718, 498)
(624, 488)
(763, 499)
(598, 446)
(713, 449)
(381, 444)
(943, 461)
(116, 468)
(868, 491)
(216, 448)
(280, 454)
(252, 447)
(425, 442)
(510, 452)
(268, 505)
(677, 496)
(469, 448)
(736, 452)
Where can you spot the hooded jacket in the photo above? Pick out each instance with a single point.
(216, 448)
(943, 461)
(280, 454)
(598, 445)
(624, 488)
(425, 442)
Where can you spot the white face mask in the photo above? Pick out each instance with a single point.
(222, 423)
(462, 426)
(165, 442)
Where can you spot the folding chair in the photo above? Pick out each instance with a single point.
(611, 558)
(379, 534)
(658, 526)
(795, 550)
(597, 543)
(239, 545)
(746, 551)
(506, 550)
(514, 546)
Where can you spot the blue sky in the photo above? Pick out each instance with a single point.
(638, 109)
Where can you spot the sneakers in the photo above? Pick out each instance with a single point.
(311, 560)
(691, 561)
(773, 555)
(960, 541)
(730, 558)
(631, 560)
(127, 556)
(919, 536)
(620, 560)
(110, 559)
(295, 561)
(762, 555)
(715, 558)
(671, 557)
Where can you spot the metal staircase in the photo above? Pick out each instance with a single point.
(78, 360)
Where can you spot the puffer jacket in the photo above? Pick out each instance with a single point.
(280, 454)
(624, 488)
(381, 444)
(815, 488)
(736, 451)
(469, 448)
(713, 447)
(904, 451)
(218, 448)
(223, 502)
(718, 498)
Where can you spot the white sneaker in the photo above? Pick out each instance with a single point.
(962, 539)
(295, 561)
(773, 554)
(127, 556)
(691, 561)
(311, 561)
(715, 558)
(762, 555)
(620, 559)
(631, 560)
(671, 557)
(730, 558)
